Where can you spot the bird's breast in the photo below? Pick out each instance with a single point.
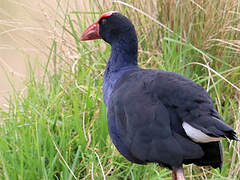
(110, 79)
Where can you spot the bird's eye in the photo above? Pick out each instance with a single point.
(103, 21)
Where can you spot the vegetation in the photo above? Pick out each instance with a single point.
(58, 129)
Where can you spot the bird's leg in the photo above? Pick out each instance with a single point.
(178, 174)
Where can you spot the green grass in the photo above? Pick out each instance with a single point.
(58, 128)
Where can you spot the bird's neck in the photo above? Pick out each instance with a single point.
(123, 58)
(124, 53)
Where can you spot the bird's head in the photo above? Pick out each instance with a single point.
(111, 27)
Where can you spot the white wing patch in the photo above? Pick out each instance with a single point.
(197, 135)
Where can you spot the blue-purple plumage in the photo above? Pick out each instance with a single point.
(155, 116)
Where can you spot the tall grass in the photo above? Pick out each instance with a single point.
(58, 129)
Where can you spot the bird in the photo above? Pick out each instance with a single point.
(155, 116)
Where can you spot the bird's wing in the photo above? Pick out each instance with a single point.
(144, 124)
(191, 106)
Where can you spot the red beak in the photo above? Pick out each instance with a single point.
(91, 33)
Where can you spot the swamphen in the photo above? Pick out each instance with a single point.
(153, 115)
